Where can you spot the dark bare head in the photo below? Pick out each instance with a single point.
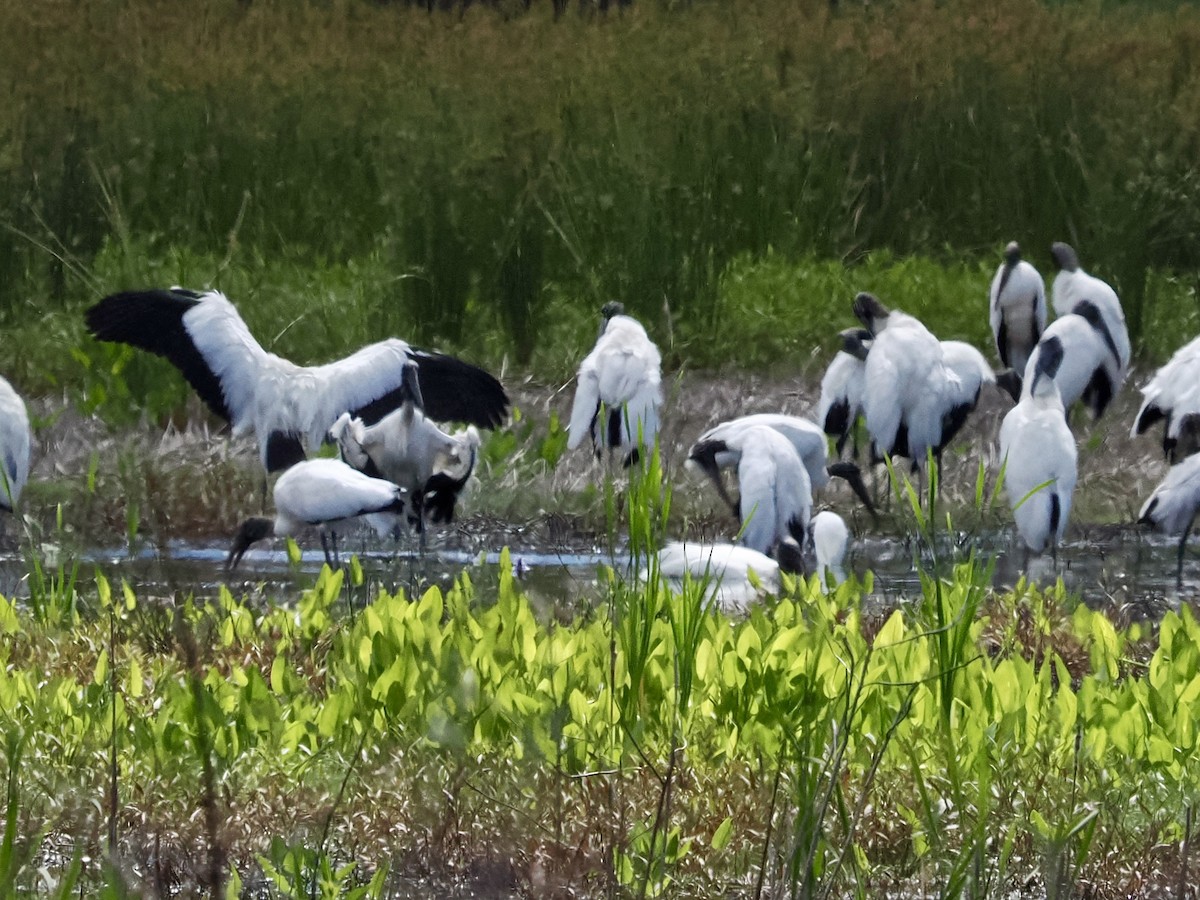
(872, 313)
(1064, 257)
(856, 342)
(251, 531)
(1049, 359)
(1012, 253)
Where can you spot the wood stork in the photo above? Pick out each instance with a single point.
(1039, 453)
(730, 569)
(410, 450)
(14, 446)
(1089, 369)
(1018, 308)
(830, 537)
(618, 390)
(1172, 396)
(717, 449)
(962, 393)
(288, 407)
(776, 493)
(322, 494)
(909, 390)
(1073, 286)
(842, 387)
(1172, 507)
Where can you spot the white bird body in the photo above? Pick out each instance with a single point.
(410, 450)
(14, 445)
(727, 567)
(288, 407)
(776, 494)
(1037, 447)
(621, 377)
(908, 386)
(1018, 308)
(321, 494)
(842, 388)
(972, 372)
(1089, 370)
(1173, 506)
(1173, 395)
(830, 537)
(1072, 286)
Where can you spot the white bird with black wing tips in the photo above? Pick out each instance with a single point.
(618, 390)
(14, 446)
(1172, 397)
(1039, 454)
(717, 450)
(1088, 370)
(408, 449)
(1073, 286)
(1173, 506)
(325, 494)
(842, 386)
(1017, 301)
(288, 407)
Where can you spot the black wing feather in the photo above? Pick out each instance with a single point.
(153, 321)
(453, 390)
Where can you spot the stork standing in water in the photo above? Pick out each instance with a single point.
(1173, 505)
(618, 390)
(1172, 397)
(1039, 454)
(736, 574)
(830, 536)
(325, 494)
(14, 446)
(410, 450)
(288, 407)
(716, 450)
(1017, 301)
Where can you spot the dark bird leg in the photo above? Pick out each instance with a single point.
(1179, 560)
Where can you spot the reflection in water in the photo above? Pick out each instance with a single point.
(1122, 567)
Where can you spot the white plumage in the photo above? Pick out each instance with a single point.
(909, 389)
(288, 407)
(717, 449)
(1089, 369)
(972, 372)
(322, 494)
(410, 450)
(830, 537)
(727, 568)
(842, 387)
(1039, 453)
(14, 446)
(1073, 286)
(1018, 308)
(1172, 507)
(1173, 397)
(618, 390)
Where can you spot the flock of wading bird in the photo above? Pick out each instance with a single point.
(399, 469)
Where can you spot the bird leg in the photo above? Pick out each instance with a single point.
(1179, 561)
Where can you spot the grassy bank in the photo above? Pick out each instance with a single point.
(484, 167)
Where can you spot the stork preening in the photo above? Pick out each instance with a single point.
(1172, 397)
(736, 574)
(1018, 309)
(716, 450)
(410, 450)
(842, 386)
(1073, 286)
(14, 446)
(775, 500)
(1039, 454)
(325, 494)
(1089, 369)
(910, 392)
(618, 390)
(288, 407)
(1172, 507)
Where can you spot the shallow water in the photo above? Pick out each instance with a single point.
(1116, 567)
